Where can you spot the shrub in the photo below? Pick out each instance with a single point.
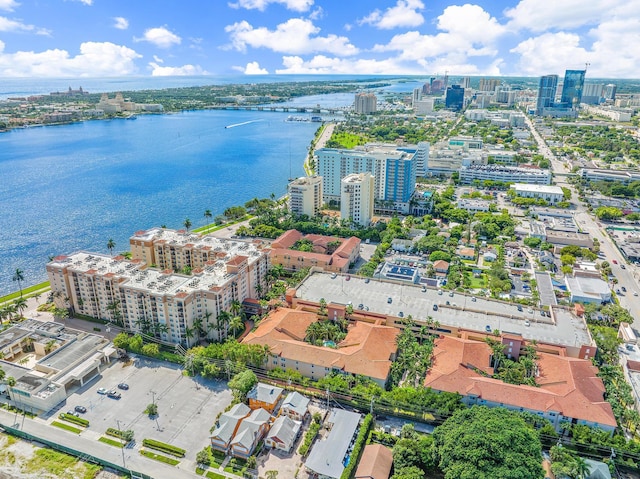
(66, 427)
(80, 421)
(160, 457)
(311, 434)
(164, 447)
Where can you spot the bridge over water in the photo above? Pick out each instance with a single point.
(283, 108)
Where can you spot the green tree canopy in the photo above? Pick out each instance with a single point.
(483, 443)
(242, 383)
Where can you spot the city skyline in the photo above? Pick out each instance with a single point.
(94, 38)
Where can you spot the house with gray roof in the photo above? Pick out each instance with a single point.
(265, 396)
(283, 434)
(328, 456)
(295, 406)
(227, 426)
(249, 433)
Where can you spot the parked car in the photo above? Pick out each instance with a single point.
(389, 300)
(527, 323)
(72, 413)
(80, 409)
(367, 280)
(334, 276)
(473, 298)
(424, 289)
(435, 307)
(124, 386)
(487, 328)
(614, 261)
(113, 394)
(451, 294)
(622, 266)
(519, 308)
(103, 390)
(624, 290)
(440, 292)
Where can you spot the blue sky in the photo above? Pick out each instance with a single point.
(96, 38)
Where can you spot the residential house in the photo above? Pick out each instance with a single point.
(466, 253)
(283, 434)
(441, 267)
(250, 432)
(375, 463)
(265, 396)
(295, 406)
(227, 426)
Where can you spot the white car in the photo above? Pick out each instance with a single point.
(103, 390)
(635, 293)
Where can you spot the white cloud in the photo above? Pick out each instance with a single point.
(8, 5)
(295, 5)
(404, 14)
(160, 37)
(86, 2)
(295, 36)
(157, 59)
(252, 68)
(316, 14)
(565, 14)
(95, 59)
(184, 70)
(466, 31)
(121, 23)
(8, 25)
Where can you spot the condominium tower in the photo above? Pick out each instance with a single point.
(572, 88)
(174, 307)
(305, 195)
(546, 93)
(365, 103)
(357, 198)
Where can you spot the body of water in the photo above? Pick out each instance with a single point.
(73, 187)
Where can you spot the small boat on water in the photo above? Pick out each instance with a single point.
(132, 117)
(240, 124)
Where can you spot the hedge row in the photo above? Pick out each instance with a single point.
(112, 431)
(160, 457)
(310, 435)
(164, 447)
(80, 421)
(111, 442)
(66, 427)
(356, 452)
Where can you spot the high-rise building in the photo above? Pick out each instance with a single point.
(546, 93)
(592, 94)
(357, 198)
(400, 179)
(572, 88)
(416, 97)
(465, 82)
(377, 159)
(454, 98)
(365, 103)
(488, 84)
(305, 195)
(610, 91)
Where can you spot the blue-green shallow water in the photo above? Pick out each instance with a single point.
(72, 187)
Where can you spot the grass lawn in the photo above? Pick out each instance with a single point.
(479, 283)
(348, 140)
(213, 227)
(25, 292)
(215, 475)
(111, 442)
(66, 427)
(160, 458)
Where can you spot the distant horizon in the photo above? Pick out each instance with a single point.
(490, 38)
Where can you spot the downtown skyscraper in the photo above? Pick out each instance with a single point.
(572, 88)
(546, 93)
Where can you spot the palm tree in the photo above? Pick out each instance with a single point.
(20, 305)
(187, 224)
(580, 469)
(221, 322)
(236, 324)
(111, 245)
(207, 217)
(18, 276)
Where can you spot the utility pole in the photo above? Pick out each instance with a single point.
(124, 463)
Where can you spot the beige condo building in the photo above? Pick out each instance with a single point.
(305, 195)
(357, 198)
(173, 307)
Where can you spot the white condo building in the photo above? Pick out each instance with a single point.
(305, 195)
(365, 103)
(356, 198)
(173, 307)
(504, 174)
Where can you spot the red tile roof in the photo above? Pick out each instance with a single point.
(566, 385)
(366, 350)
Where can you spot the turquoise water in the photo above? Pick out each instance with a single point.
(72, 187)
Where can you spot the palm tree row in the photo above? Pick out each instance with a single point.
(14, 310)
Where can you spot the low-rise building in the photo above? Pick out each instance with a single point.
(375, 463)
(265, 396)
(227, 426)
(283, 434)
(466, 253)
(569, 389)
(586, 288)
(473, 205)
(330, 253)
(367, 350)
(249, 433)
(504, 174)
(551, 194)
(619, 176)
(327, 457)
(295, 406)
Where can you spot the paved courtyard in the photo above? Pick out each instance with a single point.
(187, 407)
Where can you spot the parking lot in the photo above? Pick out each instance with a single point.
(187, 407)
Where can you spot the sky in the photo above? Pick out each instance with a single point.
(101, 38)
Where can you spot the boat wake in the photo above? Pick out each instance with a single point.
(243, 123)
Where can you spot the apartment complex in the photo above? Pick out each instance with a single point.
(328, 252)
(365, 103)
(394, 169)
(173, 307)
(305, 195)
(357, 198)
(622, 176)
(504, 174)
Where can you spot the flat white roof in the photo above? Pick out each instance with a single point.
(556, 190)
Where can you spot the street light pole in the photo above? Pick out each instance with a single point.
(124, 463)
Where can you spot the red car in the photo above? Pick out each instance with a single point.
(614, 261)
